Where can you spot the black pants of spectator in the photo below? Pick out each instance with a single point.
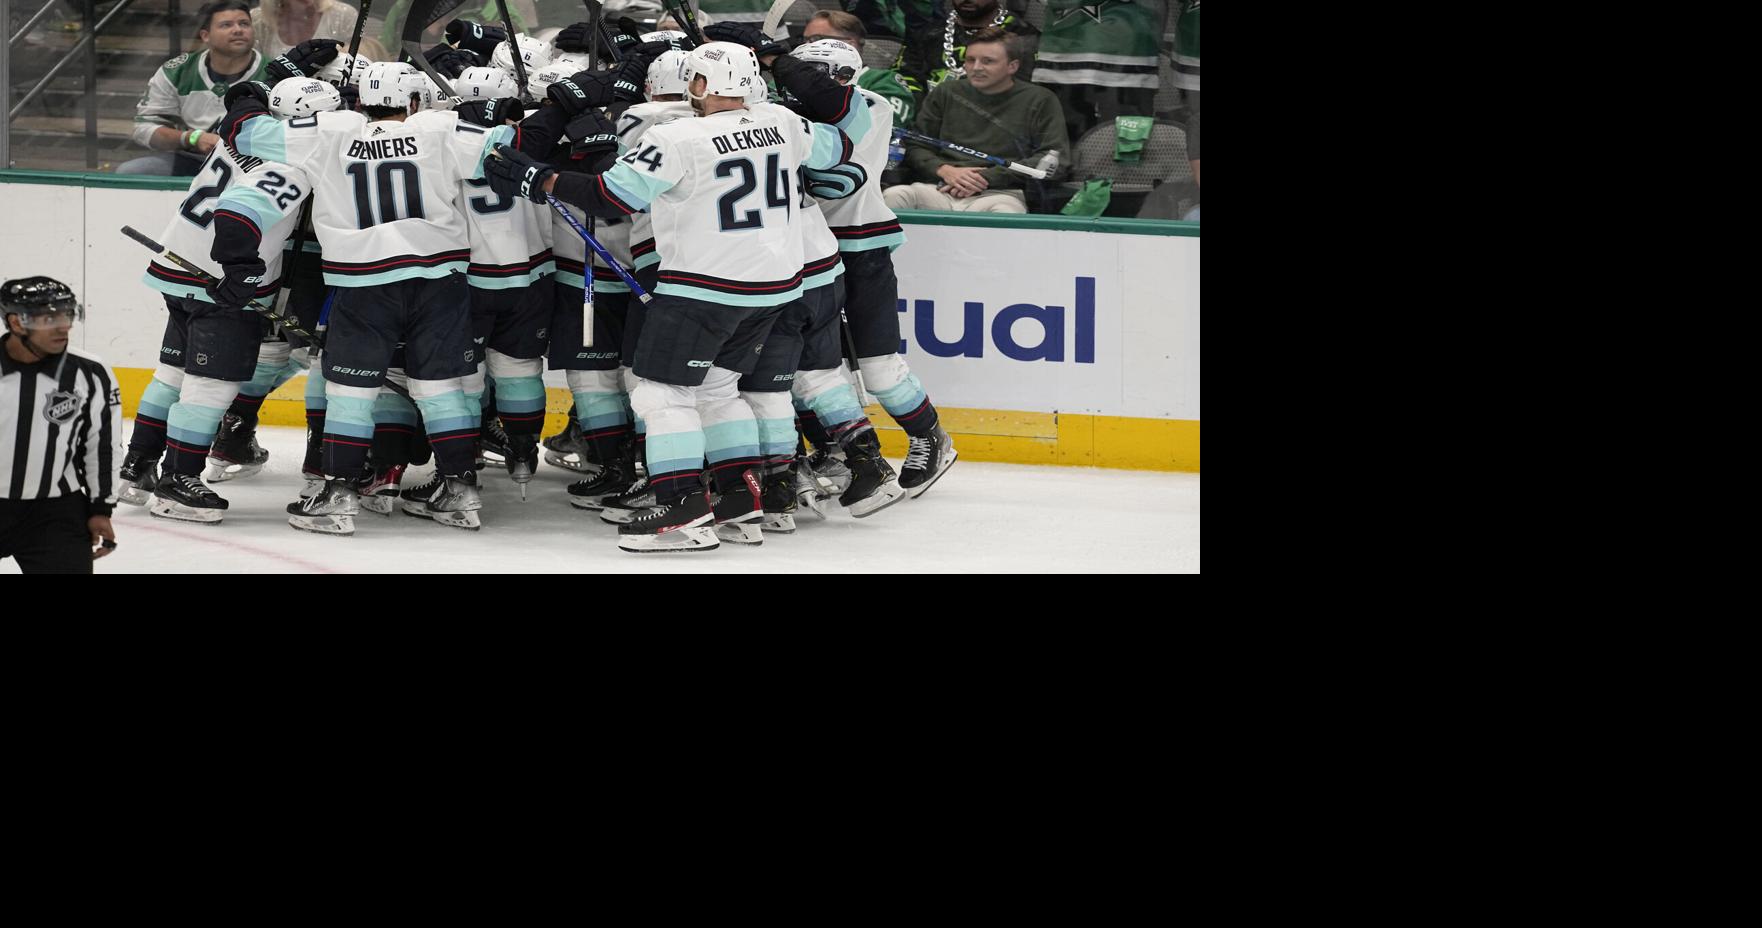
(1087, 106)
(46, 536)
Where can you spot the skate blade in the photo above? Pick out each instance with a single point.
(379, 505)
(572, 463)
(779, 523)
(590, 503)
(811, 503)
(220, 471)
(678, 541)
(924, 487)
(178, 512)
(469, 521)
(740, 533)
(324, 525)
(888, 494)
(136, 496)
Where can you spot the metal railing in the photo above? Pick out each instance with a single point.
(86, 48)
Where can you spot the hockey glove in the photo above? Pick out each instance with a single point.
(303, 60)
(628, 81)
(583, 91)
(239, 286)
(748, 35)
(511, 173)
(452, 62)
(817, 95)
(575, 40)
(476, 37)
(491, 113)
(592, 134)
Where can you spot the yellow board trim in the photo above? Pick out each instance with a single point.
(1002, 436)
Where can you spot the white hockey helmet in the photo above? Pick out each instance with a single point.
(667, 75)
(665, 35)
(576, 61)
(833, 56)
(392, 84)
(539, 82)
(533, 53)
(485, 84)
(728, 70)
(337, 72)
(436, 98)
(303, 96)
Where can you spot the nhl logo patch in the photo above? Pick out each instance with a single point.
(60, 408)
(202, 360)
(544, 333)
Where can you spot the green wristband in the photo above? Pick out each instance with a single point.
(193, 138)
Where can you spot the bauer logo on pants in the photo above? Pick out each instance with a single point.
(60, 408)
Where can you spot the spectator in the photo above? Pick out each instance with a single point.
(187, 95)
(990, 111)
(834, 24)
(1187, 53)
(1101, 58)
(933, 53)
(282, 24)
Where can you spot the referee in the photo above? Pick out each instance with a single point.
(60, 441)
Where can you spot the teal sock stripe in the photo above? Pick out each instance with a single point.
(777, 436)
(316, 401)
(521, 394)
(391, 409)
(681, 451)
(477, 401)
(903, 397)
(727, 440)
(193, 425)
(262, 381)
(597, 411)
(350, 416)
(158, 399)
(837, 406)
(450, 412)
(288, 372)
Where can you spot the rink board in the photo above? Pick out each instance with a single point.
(1040, 341)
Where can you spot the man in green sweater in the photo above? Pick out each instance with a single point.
(989, 111)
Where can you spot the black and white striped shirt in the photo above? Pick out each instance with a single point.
(60, 429)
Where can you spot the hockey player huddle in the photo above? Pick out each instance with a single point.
(440, 276)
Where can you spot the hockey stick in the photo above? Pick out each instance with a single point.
(355, 40)
(911, 136)
(683, 14)
(422, 14)
(600, 250)
(514, 49)
(287, 323)
(417, 58)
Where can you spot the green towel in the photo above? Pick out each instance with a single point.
(1092, 200)
(1130, 134)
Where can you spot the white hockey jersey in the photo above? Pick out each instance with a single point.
(267, 193)
(510, 238)
(632, 125)
(821, 264)
(863, 221)
(723, 191)
(388, 193)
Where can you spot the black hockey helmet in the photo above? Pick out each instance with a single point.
(28, 296)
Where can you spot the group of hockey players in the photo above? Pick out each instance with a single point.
(438, 274)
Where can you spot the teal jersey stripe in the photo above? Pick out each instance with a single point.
(633, 187)
(823, 280)
(392, 277)
(264, 137)
(728, 299)
(252, 203)
(889, 242)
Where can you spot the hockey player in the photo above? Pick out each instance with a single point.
(212, 341)
(722, 189)
(868, 232)
(390, 181)
(600, 402)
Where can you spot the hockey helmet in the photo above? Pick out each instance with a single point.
(728, 70)
(303, 96)
(666, 75)
(392, 84)
(485, 84)
(40, 302)
(836, 58)
(533, 54)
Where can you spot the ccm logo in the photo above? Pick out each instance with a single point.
(698, 363)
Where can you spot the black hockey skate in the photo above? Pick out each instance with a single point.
(452, 500)
(740, 514)
(569, 451)
(779, 499)
(522, 460)
(185, 498)
(873, 486)
(235, 453)
(380, 494)
(926, 461)
(329, 511)
(673, 527)
(492, 443)
(593, 492)
(140, 477)
(626, 506)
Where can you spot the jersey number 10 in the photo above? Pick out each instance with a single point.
(369, 213)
